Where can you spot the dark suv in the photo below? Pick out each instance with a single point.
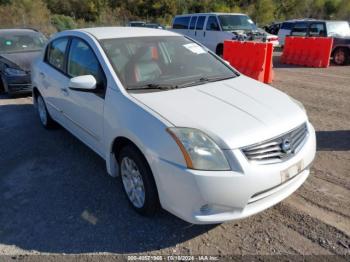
(18, 48)
(338, 30)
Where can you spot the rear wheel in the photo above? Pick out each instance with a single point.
(341, 56)
(138, 181)
(220, 50)
(44, 115)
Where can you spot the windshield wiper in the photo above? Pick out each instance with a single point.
(152, 86)
(161, 86)
(204, 80)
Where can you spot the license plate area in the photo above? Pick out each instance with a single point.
(292, 171)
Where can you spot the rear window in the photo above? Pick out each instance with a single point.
(181, 22)
(56, 53)
(287, 26)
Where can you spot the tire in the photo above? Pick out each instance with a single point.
(220, 50)
(341, 56)
(44, 116)
(2, 88)
(137, 181)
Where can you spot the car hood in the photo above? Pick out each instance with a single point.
(22, 60)
(235, 113)
(343, 39)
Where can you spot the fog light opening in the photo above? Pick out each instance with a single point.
(206, 209)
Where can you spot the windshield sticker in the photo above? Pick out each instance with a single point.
(194, 48)
(8, 42)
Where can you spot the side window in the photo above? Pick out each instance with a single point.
(181, 22)
(56, 53)
(200, 23)
(287, 26)
(193, 22)
(300, 29)
(212, 24)
(317, 29)
(82, 61)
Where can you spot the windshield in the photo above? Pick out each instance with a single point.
(236, 22)
(137, 24)
(11, 42)
(166, 61)
(338, 28)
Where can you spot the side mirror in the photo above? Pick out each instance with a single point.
(83, 83)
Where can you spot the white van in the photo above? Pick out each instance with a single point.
(212, 29)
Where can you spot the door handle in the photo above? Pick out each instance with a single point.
(195, 33)
(42, 75)
(204, 33)
(64, 91)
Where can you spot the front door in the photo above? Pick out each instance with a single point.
(84, 110)
(199, 33)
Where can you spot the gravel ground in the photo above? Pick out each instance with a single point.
(56, 197)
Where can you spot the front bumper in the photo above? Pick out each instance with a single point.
(18, 84)
(205, 197)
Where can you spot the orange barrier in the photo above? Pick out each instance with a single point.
(251, 58)
(307, 51)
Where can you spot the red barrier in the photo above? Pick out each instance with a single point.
(307, 51)
(251, 58)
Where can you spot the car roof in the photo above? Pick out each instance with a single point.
(124, 32)
(310, 20)
(214, 13)
(18, 30)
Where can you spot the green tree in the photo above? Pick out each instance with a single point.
(263, 11)
(63, 22)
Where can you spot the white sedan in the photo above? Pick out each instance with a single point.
(183, 130)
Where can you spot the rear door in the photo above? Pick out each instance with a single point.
(52, 76)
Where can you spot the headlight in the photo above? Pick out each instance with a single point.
(199, 150)
(15, 72)
(299, 104)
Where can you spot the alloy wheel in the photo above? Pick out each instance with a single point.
(42, 111)
(133, 182)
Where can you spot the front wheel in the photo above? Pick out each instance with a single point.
(340, 56)
(138, 182)
(44, 115)
(2, 86)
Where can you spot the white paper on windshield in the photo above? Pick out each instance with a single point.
(194, 48)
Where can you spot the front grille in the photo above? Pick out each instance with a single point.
(277, 149)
